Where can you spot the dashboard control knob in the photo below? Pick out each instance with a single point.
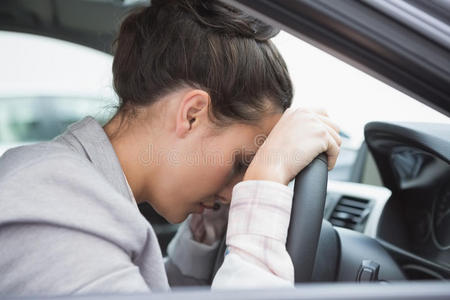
(368, 271)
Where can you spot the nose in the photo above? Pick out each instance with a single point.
(225, 194)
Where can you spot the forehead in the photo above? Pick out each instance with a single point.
(263, 125)
(251, 136)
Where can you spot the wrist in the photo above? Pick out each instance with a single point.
(268, 173)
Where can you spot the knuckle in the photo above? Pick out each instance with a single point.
(324, 146)
(303, 111)
(323, 132)
(309, 117)
(322, 111)
(338, 150)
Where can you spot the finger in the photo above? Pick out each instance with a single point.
(332, 152)
(337, 138)
(320, 111)
(196, 221)
(197, 227)
(330, 123)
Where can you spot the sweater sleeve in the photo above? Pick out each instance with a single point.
(65, 230)
(42, 259)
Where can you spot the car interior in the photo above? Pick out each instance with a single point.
(384, 233)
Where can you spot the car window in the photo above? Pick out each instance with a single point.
(351, 97)
(47, 84)
(42, 117)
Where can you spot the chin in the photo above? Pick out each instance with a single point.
(170, 215)
(175, 219)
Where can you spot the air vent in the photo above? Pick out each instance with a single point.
(350, 213)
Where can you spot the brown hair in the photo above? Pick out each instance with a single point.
(205, 44)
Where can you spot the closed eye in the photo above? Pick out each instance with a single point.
(242, 162)
(240, 166)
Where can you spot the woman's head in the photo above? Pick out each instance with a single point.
(203, 44)
(199, 80)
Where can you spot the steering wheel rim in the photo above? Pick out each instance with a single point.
(306, 220)
(310, 192)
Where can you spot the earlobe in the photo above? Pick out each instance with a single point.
(192, 110)
(182, 128)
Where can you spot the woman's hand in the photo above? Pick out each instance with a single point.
(298, 137)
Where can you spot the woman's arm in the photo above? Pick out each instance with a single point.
(44, 259)
(64, 230)
(256, 254)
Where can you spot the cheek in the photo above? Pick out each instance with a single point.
(212, 178)
(201, 182)
(221, 175)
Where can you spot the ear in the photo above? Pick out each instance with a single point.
(192, 111)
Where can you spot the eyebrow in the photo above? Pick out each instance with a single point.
(239, 157)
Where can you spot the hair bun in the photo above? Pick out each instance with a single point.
(220, 18)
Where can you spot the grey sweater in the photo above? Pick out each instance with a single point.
(68, 223)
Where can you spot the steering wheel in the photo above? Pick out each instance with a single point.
(306, 219)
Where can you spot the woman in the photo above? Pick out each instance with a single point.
(201, 87)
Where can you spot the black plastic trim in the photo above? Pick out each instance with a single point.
(404, 257)
(382, 138)
(90, 23)
(356, 247)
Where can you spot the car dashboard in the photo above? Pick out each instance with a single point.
(410, 214)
